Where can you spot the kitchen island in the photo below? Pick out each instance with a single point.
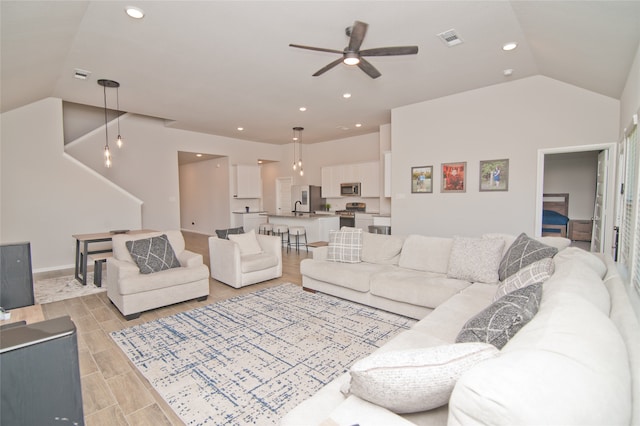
(316, 225)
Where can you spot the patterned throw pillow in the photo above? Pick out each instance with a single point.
(475, 259)
(345, 245)
(504, 318)
(414, 380)
(153, 254)
(537, 272)
(224, 233)
(524, 251)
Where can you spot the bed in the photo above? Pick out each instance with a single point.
(555, 215)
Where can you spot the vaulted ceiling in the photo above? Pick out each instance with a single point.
(214, 66)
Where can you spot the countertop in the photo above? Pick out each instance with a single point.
(249, 212)
(300, 215)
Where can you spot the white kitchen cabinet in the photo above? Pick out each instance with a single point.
(368, 174)
(247, 180)
(363, 221)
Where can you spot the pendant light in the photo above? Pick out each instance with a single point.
(297, 136)
(119, 139)
(107, 152)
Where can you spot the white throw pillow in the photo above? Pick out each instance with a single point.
(248, 243)
(537, 272)
(345, 245)
(414, 380)
(475, 259)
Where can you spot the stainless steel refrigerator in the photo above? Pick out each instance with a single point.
(306, 198)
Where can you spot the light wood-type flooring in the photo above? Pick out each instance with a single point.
(113, 391)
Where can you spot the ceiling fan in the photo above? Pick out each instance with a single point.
(352, 55)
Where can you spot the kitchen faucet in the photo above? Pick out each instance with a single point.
(295, 206)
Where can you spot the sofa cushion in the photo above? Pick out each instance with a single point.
(224, 233)
(524, 251)
(153, 254)
(415, 380)
(415, 287)
(568, 366)
(345, 245)
(355, 276)
(382, 249)
(587, 258)
(423, 253)
(475, 259)
(258, 262)
(248, 243)
(173, 277)
(537, 272)
(504, 318)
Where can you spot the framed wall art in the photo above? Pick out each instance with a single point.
(454, 177)
(494, 175)
(422, 180)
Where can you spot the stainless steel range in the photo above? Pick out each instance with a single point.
(348, 216)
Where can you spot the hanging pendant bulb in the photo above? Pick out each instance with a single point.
(301, 172)
(297, 136)
(107, 156)
(119, 140)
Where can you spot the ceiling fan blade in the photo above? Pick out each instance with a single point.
(319, 49)
(369, 69)
(327, 67)
(358, 31)
(390, 51)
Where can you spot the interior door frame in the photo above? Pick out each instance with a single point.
(610, 181)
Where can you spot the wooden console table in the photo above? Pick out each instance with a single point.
(83, 255)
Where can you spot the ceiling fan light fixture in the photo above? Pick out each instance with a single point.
(351, 58)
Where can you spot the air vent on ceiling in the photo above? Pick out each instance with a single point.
(450, 38)
(81, 74)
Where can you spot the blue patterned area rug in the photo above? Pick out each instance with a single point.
(253, 358)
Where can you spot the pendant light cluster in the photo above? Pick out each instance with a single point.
(111, 84)
(297, 137)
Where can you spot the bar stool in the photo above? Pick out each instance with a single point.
(297, 231)
(281, 230)
(265, 228)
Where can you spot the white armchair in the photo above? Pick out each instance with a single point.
(229, 266)
(133, 292)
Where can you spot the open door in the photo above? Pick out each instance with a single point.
(599, 213)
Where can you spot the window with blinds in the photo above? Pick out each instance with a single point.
(635, 262)
(630, 224)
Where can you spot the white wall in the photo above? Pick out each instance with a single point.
(573, 173)
(48, 196)
(204, 195)
(630, 99)
(147, 165)
(511, 120)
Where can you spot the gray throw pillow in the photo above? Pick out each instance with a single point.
(153, 254)
(503, 318)
(523, 252)
(223, 234)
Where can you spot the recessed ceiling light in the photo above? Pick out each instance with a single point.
(346, 95)
(509, 46)
(303, 109)
(134, 12)
(358, 125)
(507, 72)
(198, 155)
(240, 129)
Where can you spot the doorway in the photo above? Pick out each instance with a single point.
(601, 209)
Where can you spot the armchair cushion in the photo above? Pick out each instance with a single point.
(224, 233)
(153, 254)
(248, 243)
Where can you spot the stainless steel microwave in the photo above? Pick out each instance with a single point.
(350, 189)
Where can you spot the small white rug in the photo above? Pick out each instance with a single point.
(253, 358)
(66, 287)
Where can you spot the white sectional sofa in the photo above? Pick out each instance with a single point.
(577, 362)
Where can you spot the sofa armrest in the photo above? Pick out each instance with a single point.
(320, 253)
(189, 259)
(224, 256)
(358, 411)
(270, 244)
(117, 270)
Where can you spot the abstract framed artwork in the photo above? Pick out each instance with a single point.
(422, 180)
(494, 175)
(454, 177)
